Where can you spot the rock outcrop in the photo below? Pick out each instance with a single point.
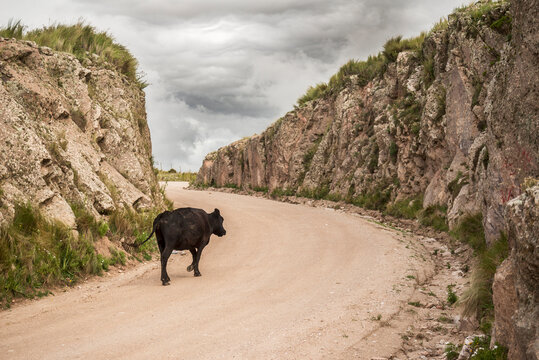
(456, 123)
(438, 122)
(71, 133)
(516, 290)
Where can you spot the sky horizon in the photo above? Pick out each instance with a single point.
(223, 70)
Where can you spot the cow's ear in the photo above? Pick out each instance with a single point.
(217, 211)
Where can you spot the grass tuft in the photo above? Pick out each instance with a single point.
(477, 299)
(81, 40)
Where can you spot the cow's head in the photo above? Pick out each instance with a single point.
(217, 223)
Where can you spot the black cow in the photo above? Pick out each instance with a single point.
(184, 229)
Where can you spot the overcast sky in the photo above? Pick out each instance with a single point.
(221, 70)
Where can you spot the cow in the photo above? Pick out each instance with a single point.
(184, 229)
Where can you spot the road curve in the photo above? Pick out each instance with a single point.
(286, 282)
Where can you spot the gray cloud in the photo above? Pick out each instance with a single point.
(221, 70)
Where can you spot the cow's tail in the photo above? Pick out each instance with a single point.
(155, 224)
(133, 245)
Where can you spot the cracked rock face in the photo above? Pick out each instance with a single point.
(70, 134)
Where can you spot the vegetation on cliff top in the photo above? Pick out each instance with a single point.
(376, 65)
(366, 70)
(81, 40)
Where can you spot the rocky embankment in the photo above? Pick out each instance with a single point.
(71, 133)
(454, 122)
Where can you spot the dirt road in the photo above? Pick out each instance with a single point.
(286, 282)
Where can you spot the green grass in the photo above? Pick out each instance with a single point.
(452, 351)
(428, 70)
(278, 192)
(313, 92)
(477, 299)
(173, 175)
(14, 29)
(406, 208)
(435, 217)
(366, 71)
(375, 199)
(481, 350)
(36, 253)
(451, 295)
(469, 230)
(262, 189)
(397, 44)
(80, 39)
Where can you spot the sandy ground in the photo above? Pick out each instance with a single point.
(286, 282)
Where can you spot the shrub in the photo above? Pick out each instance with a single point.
(480, 349)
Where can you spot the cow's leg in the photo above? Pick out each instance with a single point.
(164, 258)
(160, 241)
(192, 266)
(199, 252)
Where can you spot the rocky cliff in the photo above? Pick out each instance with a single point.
(71, 133)
(452, 120)
(455, 121)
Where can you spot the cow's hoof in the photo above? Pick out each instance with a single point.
(166, 282)
(190, 268)
(198, 274)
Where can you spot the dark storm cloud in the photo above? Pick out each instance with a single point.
(221, 70)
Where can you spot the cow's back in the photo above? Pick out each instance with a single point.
(187, 226)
